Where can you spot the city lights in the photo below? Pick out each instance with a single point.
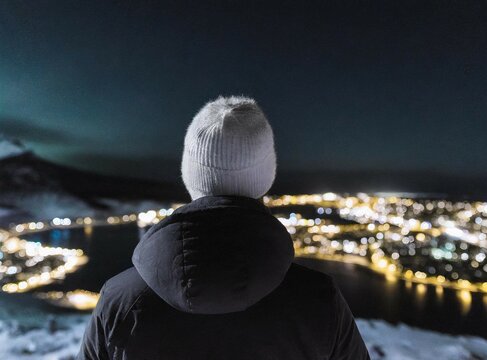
(437, 242)
(25, 265)
(77, 299)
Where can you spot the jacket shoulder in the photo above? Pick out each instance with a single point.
(309, 280)
(307, 290)
(321, 294)
(125, 285)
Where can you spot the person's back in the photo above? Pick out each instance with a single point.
(215, 280)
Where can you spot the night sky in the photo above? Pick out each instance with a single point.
(112, 85)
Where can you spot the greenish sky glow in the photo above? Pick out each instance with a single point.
(112, 85)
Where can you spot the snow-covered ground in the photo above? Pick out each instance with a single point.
(52, 341)
(59, 338)
(402, 342)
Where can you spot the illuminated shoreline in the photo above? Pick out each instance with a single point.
(32, 254)
(319, 240)
(390, 276)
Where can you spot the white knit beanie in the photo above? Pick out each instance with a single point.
(229, 150)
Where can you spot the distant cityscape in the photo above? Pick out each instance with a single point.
(432, 242)
(436, 242)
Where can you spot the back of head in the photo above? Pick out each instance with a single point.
(229, 150)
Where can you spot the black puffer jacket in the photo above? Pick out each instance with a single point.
(215, 280)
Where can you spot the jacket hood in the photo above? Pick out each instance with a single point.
(215, 255)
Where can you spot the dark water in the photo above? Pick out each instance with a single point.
(369, 294)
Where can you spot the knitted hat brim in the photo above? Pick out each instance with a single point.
(254, 181)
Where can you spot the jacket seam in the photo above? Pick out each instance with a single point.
(185, 276)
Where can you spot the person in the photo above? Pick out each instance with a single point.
(216, 279)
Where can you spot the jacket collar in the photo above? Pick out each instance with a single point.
(217, 201)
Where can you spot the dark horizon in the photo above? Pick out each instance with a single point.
(167, 184)
(348, 86)
(290, 181)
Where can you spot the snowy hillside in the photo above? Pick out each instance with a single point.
(43, 189)
(60, 341)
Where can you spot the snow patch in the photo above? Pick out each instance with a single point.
(47, 204)
(10, 147)
(403, 342)
(51, 342)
